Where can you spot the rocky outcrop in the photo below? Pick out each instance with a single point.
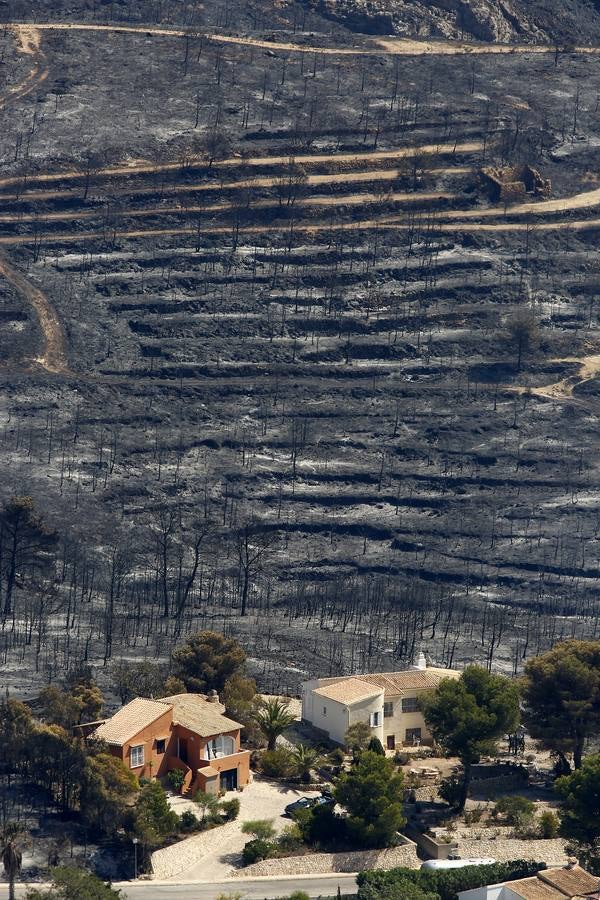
(483, 20)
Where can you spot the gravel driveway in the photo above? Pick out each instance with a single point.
(213, 855)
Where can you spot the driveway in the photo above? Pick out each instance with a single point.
(213, 855)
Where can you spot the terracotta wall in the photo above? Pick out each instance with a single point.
(155, 764)
(158, 765)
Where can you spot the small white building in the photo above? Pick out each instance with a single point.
(566, 883)
(388, 702)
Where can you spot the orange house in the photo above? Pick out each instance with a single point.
(187, 732)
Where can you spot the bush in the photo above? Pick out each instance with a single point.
(321, 827)
(299, 895)
(375, 746)
(230, 809)
(337, 757)
(256, 850)
(188, 822)
(277, 763)
(262, 829)
(451, 790)
(402, 758)
(176, 778)
(444, 884)
(517, 810)
(548, 824)
(291, 838)
(472, 816)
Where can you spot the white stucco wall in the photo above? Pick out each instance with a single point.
(400, 722)
(491, 892)
(361, 712)
(334, 717)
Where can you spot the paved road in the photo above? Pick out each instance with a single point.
(249, 889)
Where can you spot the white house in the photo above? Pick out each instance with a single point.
(566, 883)
(388, 702)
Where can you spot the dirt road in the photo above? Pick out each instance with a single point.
(245, 184)
(28, 42)
(54, 356)
(379, 46)
(145, 168)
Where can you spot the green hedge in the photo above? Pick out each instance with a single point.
(440, 884)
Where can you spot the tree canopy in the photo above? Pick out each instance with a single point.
(467, 715)
(580, 810)
(108, 789)
(154, 819)
(69, 883)
(357, 736)
(561, 692)
(273, 717)
(206, 660)
(372, 793)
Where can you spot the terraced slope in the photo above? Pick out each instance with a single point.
(295, 324)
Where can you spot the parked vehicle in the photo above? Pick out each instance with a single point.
(326, 799)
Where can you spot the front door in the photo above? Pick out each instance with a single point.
(391, 741)
(229, 780)
(183, 750)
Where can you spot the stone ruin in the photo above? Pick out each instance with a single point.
(509, 184)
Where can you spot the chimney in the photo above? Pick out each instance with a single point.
(420, 661)
(212, 697)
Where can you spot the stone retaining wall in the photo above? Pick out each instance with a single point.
(317, 863)
(506, 849)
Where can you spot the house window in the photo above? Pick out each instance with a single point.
(374, 719)
(388, 709)
(413, 736)
(161, 746)
(136, 756)
(410, 704)
(324, 710)
(223, 745)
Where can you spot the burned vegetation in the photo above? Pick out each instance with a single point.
(274, 359)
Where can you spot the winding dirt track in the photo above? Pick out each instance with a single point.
(54, 356)
(381, 46)
(28, 41)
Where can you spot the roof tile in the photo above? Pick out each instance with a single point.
(130, 720)
(195, 712)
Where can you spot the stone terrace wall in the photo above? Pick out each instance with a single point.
(317, 863)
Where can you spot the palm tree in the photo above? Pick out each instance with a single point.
(306, 759)
(273, 718)
(11, 856)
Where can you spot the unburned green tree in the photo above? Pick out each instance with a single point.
(206, 660)
(561, 694)
(372, 793)
(357, 736)
(274, 717)
(580, 811)
(108, 789)
(154, 820)
(69, 883)
(467, 716)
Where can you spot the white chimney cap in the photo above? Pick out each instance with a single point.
(420, 661)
